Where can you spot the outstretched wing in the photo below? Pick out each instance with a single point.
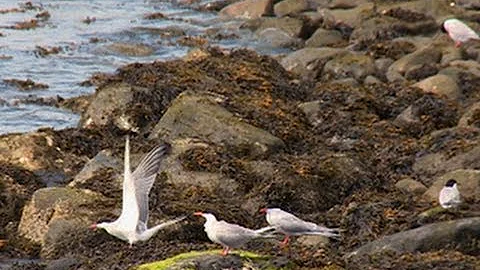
(144, 176)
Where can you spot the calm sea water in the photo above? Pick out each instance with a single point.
(115, 21)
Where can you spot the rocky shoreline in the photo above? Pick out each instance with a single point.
(359, 127)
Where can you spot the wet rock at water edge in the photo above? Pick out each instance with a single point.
(25, 85)
(277, 38)
(115, 104)
(136, 50)
(310, 61)
(248, 9)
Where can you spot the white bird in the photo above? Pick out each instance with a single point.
(230, 235)
(458, 31)
(131, 225)
(449, 195)
(290, 225)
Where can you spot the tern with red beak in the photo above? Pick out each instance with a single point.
(131, 225)
(291, 225)
(458, 31)
(230, 235)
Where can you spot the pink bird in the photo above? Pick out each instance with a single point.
(291, 225)
(458, 31)
(230, 235)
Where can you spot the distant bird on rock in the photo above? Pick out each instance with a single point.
(131, 225)
(449, 196)
(290, 225)
(458, 31)
(230, 235)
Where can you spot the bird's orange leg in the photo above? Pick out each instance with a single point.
(225, 251)
(284, 243)
(458, 44)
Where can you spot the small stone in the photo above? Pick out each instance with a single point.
(324, 38)
(288, 7)
(371, 80)
(276, 37)
(410, 186)
(350, 65)
(313, 240)
(471, 117)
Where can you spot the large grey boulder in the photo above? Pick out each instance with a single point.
(454, 233)
(103, 162)
(468, 184)
(440, 84)
(177, 175)
(438, 162)
(200, 116)
(33, 151)
(110, 105)
(401, 66)
(54, 211)
(350, 65)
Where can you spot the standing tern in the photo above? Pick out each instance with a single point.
(131, 225)
(291, 225)
(230, 235)
(449, 195)
(458, 31)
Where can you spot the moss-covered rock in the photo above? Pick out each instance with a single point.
(212, 259)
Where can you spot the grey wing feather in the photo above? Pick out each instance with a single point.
(295, 225)
(144, 177)
(233, 235)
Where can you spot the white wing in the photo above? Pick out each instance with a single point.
(130, 211)
(143, 178)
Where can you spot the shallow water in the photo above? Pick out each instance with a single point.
(82, 55)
